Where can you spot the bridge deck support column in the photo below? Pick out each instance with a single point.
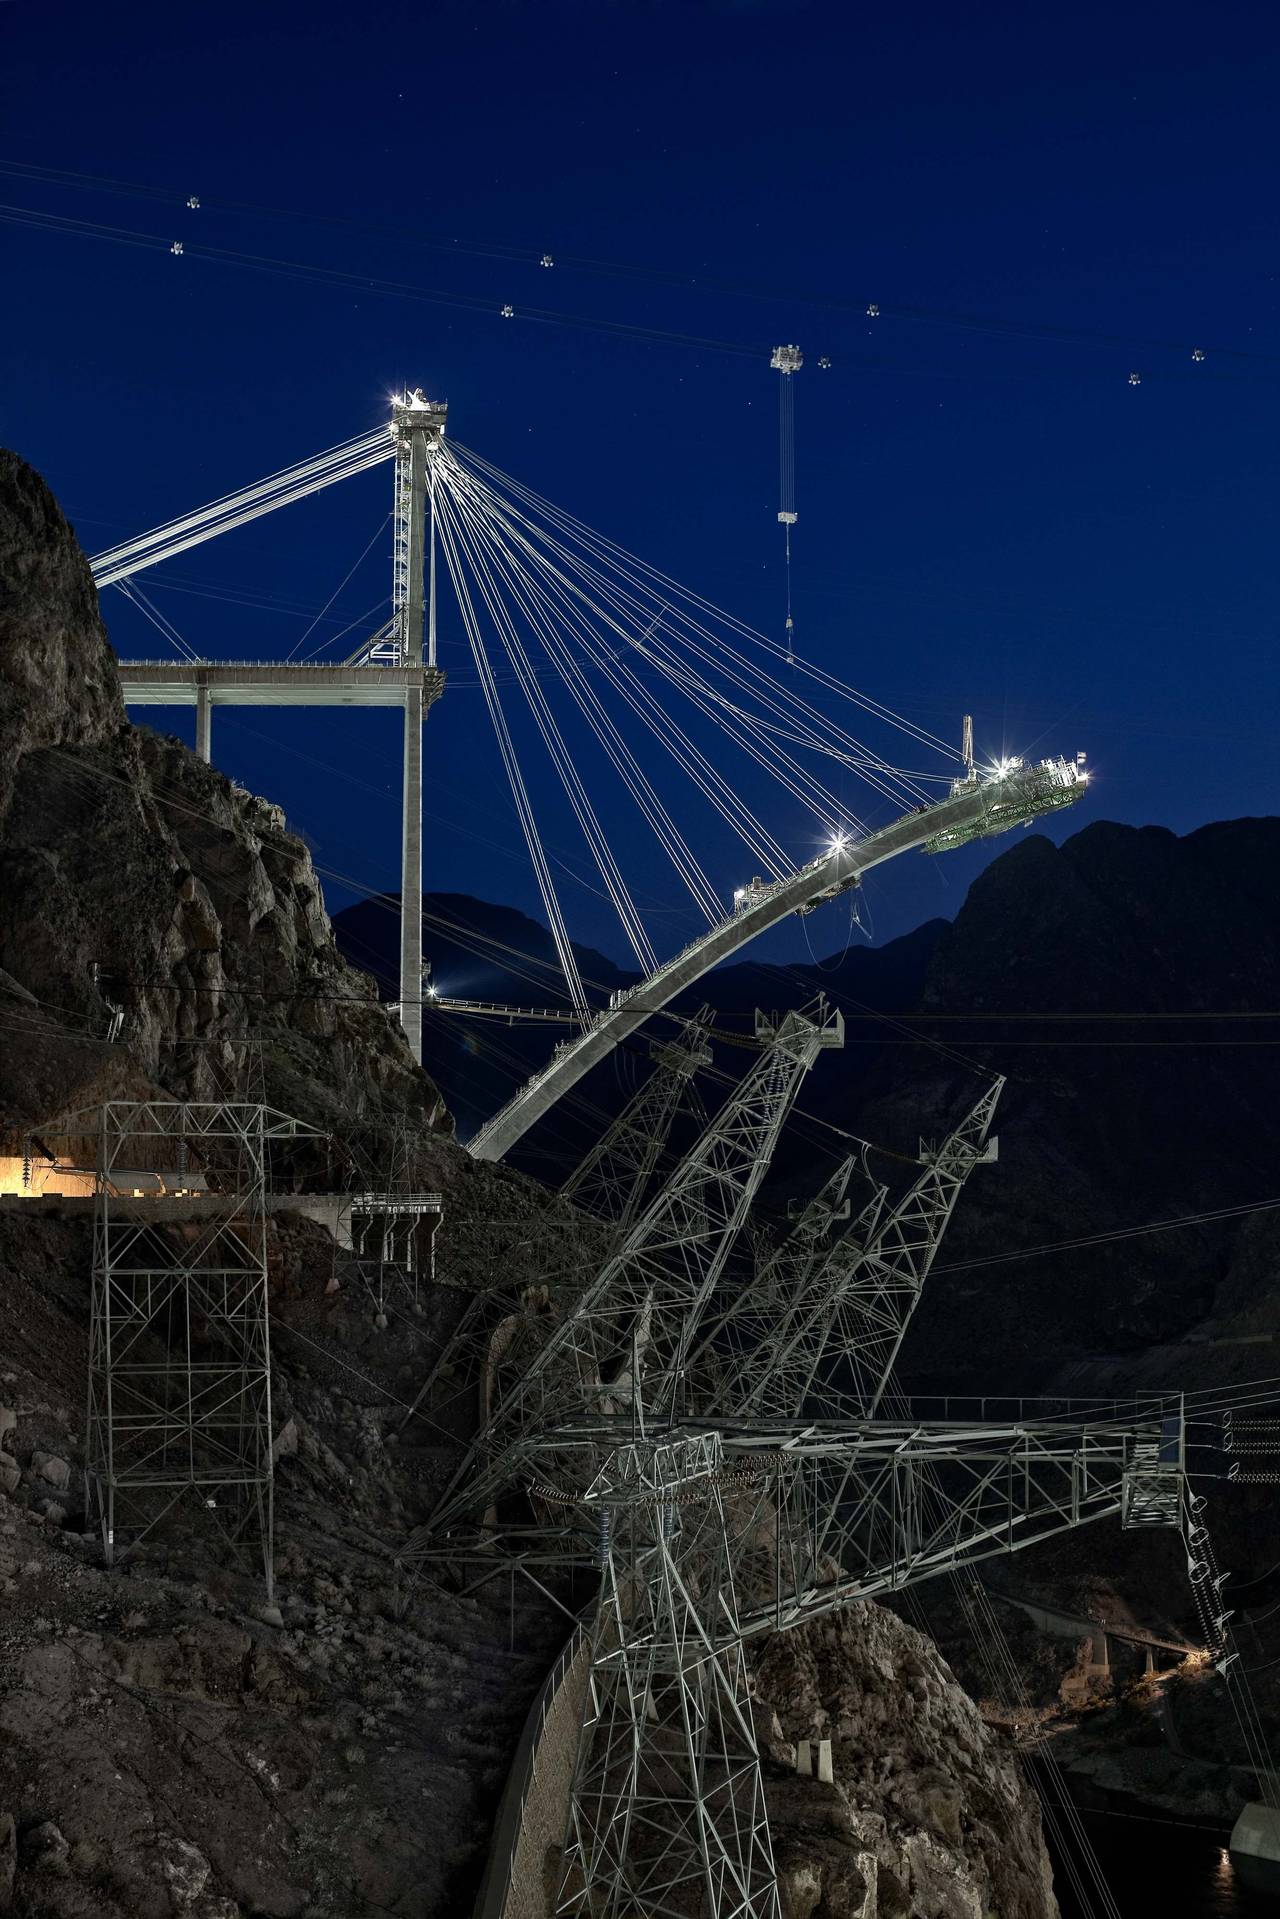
(411, 877)
(204, 723)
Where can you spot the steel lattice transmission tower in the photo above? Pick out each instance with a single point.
(679, 1442)
(637, 1316)
(826, 1317)
(667, 1798)
(613, 1177)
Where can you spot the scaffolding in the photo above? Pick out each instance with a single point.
(179, 1390)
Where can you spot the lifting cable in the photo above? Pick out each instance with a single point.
(787, 360)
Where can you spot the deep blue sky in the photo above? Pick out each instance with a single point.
(991, 519)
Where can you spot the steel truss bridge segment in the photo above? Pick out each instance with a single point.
(976, 809)
(832, 1332)
(638, 1317)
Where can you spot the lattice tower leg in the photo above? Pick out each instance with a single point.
(667, 1814)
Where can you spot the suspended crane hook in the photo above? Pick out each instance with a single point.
(787, 360)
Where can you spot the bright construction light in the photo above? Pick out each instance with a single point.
(839, 843)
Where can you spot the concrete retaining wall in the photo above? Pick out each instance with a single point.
(535, 1805)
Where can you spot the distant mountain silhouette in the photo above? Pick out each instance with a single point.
(1085, 973)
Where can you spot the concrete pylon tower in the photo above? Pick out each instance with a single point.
(418, 425)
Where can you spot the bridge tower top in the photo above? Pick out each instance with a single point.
(418, 426)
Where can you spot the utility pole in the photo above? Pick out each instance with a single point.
(418, 425)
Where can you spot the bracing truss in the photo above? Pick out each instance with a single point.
(826, 1317)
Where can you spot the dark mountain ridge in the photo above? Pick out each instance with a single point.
(1126, 985)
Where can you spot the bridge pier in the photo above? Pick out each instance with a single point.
(419, 428)
(204, 721)
(411, 876)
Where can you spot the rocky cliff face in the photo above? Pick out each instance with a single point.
(928, 1814)
(57, 671)
(132, 876)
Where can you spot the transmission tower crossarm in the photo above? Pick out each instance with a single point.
(871, 1508)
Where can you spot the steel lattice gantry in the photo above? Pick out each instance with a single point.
(179, 1395)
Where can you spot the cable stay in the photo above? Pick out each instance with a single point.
(667, 594)
(148, 608)
(236, 509)
(519, 792)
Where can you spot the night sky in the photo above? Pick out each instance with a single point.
(992, 517)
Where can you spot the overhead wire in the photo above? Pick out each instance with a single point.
(530, 253)
(306, 633)
(563, 762)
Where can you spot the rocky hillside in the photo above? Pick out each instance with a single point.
(134, 876)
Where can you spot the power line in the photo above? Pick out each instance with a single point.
(531, 254)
